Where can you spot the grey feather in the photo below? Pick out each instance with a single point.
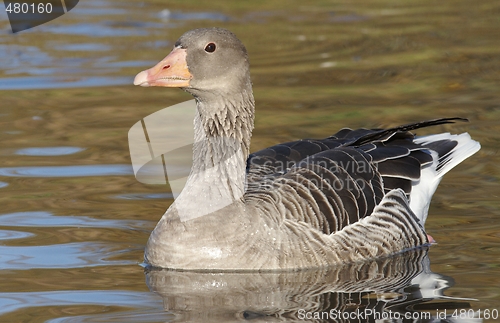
(301, 204)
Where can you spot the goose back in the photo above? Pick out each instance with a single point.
(334, 182)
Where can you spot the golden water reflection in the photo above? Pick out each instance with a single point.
(71, 242)
(401, 288)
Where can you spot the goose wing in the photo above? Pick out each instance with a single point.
(337, 181)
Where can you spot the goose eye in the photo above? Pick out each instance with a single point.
(210, 48)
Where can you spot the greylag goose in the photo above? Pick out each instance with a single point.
(356, 195)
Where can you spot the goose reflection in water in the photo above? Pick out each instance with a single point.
(396, 289)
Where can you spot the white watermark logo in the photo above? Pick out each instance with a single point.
(161, 146)
(389, 315)
(362, 314)
(161, 149)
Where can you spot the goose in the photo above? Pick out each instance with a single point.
(355, 195)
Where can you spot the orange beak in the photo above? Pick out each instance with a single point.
(172, 71)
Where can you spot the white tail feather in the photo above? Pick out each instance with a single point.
(423, 189)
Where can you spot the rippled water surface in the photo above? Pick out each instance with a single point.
(74, 221)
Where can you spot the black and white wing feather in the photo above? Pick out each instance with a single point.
(338, 181)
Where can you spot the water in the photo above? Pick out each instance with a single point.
(74, 221)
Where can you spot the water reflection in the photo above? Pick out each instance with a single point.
(48, 151)
(166, 15)
(39, 226)
(64, 256)
(50, 82)
(11, 302)
(39, 219)
(397, 289)
(66, 171)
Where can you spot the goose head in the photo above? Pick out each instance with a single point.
(207, 62)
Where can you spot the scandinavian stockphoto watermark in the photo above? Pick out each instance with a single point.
(26, 14)
(161, 150)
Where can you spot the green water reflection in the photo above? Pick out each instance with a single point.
(316, 67)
